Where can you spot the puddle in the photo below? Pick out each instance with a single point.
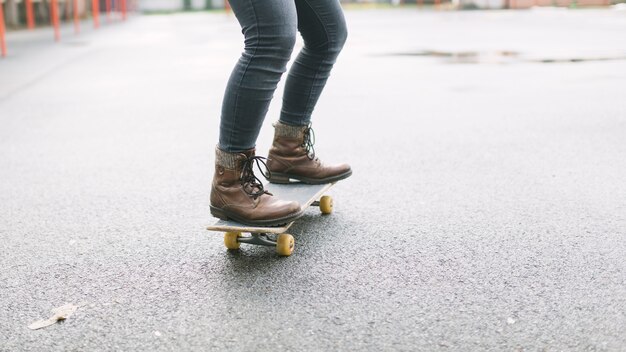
(579, 59)
(499, 57)
(76, 43)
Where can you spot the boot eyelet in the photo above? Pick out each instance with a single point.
(220, 170)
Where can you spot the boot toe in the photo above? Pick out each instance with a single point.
(286, 208)
(343, 168)
(278, 209)
(293, 207)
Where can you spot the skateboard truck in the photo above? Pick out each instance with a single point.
(259, 239)
(284, 242)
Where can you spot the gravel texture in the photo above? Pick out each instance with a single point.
(487, 210)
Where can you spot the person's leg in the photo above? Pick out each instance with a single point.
(323, 28)
(292, 156)
(269, 28)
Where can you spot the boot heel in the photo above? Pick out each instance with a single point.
(218, 213)
(278, 178)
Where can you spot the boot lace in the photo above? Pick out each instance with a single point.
(308, 142)
(251, 184)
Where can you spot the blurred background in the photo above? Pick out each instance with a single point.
(30, 13)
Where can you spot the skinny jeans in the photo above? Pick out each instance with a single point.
(270, 28)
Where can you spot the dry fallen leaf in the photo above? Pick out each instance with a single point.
(60, 313)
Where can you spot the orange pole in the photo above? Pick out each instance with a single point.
(226, 5)
(30, 17)
(66, 11)
(123, 4)
(76, 20)
(54, 13)
(95, 13)
(437, 2)
(420, 2)
(107, 5)
(3, 44)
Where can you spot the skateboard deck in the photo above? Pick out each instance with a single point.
(304, 194)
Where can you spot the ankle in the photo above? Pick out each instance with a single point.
(231, 160)
(282, 129)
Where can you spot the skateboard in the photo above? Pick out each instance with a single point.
(276, 236)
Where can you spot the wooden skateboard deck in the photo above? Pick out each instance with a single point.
(304, 194)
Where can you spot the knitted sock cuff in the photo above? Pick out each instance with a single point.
(288, 131)
(226, 159)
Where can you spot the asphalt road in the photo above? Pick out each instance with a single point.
(487, 210)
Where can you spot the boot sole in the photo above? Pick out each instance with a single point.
(226, 215)
(277, 177)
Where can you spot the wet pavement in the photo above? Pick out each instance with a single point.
(487, 209)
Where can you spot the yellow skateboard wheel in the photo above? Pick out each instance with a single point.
(230, 240)
(285, 244)
(326, 205)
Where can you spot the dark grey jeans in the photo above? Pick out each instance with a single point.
(270, 28)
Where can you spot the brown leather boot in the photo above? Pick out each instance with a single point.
(237, 194)
(292, 157)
